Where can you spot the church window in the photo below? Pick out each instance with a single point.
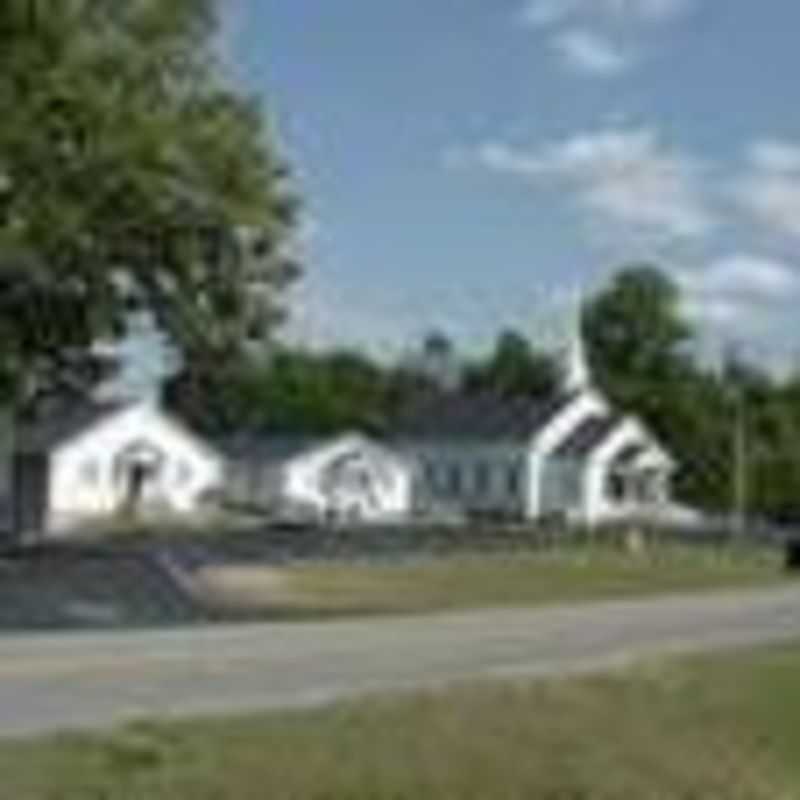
(481, 478)
(455, 480)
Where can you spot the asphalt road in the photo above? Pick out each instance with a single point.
(74, 681)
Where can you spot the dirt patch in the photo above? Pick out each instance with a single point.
(243, 587)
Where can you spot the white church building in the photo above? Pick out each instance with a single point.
(89, 463)
(345, 477)
(570, 456)
(86, 462)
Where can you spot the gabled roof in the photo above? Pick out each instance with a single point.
(647, 453)
(589, 435)
(477, 417)
(253, 447)
(629, 454)
(60, 422)
(265, 447)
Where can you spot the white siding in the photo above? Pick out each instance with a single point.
(470, 476)
(585, 405)
(82, 479)
(598, 506)
(252, 483)
(562, 487)
(390, 496)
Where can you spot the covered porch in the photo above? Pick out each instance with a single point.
(638, 483)
(628, 477)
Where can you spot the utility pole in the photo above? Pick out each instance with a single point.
(739, 482)
(739, 467)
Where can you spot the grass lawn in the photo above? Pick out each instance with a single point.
(724, 727)
(520, 579)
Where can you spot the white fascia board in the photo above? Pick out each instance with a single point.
(147, 410)
(653, 457)
(345, 441)
(95, 428)
(583, 406)
(629, 431)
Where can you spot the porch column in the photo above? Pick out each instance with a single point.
(662, 487)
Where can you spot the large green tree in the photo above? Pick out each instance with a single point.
(640, 349)
(298, 391)
(735, 435)
(636, 334)
(133, 175)
(513, 368)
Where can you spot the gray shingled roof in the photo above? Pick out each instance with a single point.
(261, 448)
(629, 454)
(478, 417)
(587, 436)
(60, 422)
(266, 448)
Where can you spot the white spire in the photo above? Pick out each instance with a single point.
(576, 376)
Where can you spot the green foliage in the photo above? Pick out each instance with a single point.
(640, 350)
(297, 390)
(636, 335)
(514, 368)
(132, 175)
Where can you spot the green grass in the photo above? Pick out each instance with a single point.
(726, 727)
(519, 579)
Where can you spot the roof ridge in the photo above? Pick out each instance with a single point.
(484, 414)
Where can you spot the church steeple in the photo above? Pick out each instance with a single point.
(575, 373)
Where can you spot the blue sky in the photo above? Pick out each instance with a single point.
(470, 163)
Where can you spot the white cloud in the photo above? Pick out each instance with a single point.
(774, 201)
(740, 290)
(590, 53)
(580, 30)
(775, 155)
(325, 314)
(721, 312)
(625, 176)
(760, 279)
(544, 13)
(547, 13)
(647, 10)
(769, 189)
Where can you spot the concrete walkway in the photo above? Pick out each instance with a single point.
(70, 681)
